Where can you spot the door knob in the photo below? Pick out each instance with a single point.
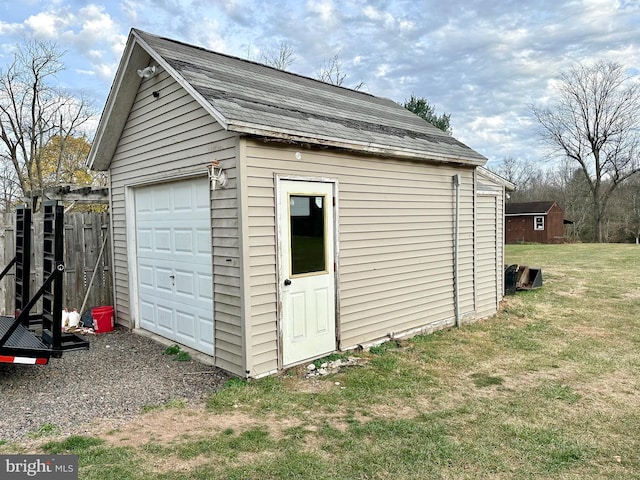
(287, 282)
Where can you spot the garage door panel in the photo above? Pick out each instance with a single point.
(202, 200)
(184, 284)
(186, 325)
(206, 331)
(165, 318)
(144, 201)
(147, 314)
(184, 241)
(145, 276)
(203, 241)
(162, 240)
(161, 202)
(205, 289)
(183, 197)
(174, 262)
(162, 279)
(145, 238)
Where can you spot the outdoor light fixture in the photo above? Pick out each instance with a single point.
(217, 175)
(147, 72)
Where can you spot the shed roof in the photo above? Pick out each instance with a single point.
(528, 208)
(255, 99)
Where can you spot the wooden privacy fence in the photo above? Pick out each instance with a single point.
(86, 235)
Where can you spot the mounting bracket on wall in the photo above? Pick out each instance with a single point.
(217, 175)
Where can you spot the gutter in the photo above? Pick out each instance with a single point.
(354, 146)
(456, 242)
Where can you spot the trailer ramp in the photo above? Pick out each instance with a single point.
(34, 338)
(23, 346)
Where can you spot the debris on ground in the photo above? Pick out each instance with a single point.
(329, 367)
(79, 329)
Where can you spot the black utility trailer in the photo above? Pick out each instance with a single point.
(33, 339)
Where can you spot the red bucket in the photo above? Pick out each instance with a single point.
(102, 319)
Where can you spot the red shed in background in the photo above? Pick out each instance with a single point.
(536, 222)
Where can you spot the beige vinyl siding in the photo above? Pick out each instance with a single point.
(395, 233)
(489, 249)
(260, 234)
(499, 248)
(466, 249)
(173, 137)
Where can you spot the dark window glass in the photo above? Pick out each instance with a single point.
(307, 230)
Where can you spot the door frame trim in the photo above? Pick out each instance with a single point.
(280, 275)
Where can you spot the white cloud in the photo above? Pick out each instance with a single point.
(48, 25)
(324, 8)
(93, 35)
(481, 123)
(407, 25)
(10, 29)
(95, 22)
(129, 10)
(92, 40)
(382, 70)
(376, 15)
(213, 40)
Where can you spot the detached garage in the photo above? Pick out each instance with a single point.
(265, 219)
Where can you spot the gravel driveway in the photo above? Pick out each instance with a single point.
(121, 373)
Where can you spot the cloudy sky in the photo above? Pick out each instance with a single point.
(482, 61)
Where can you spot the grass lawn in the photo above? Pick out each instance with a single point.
(548, 388)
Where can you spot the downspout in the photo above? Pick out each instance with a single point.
(456, 242)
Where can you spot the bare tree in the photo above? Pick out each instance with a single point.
(9, 187)
(522, 173)
(332, 72)
(570, 191)
(625, 210)
(32, 111)
(280, 60)
(595, 121)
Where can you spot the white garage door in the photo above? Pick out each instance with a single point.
(175, 288)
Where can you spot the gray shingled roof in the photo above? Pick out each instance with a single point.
(528, 208)
(249, 94)
(250, 98)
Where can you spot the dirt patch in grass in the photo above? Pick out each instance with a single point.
(607, 393)
(576, 291)
(166, 426)
(589, 330)
(177, 465)
(312, 385)
(392, 412)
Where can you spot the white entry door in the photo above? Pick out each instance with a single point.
(307, 276)
(173, 247)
